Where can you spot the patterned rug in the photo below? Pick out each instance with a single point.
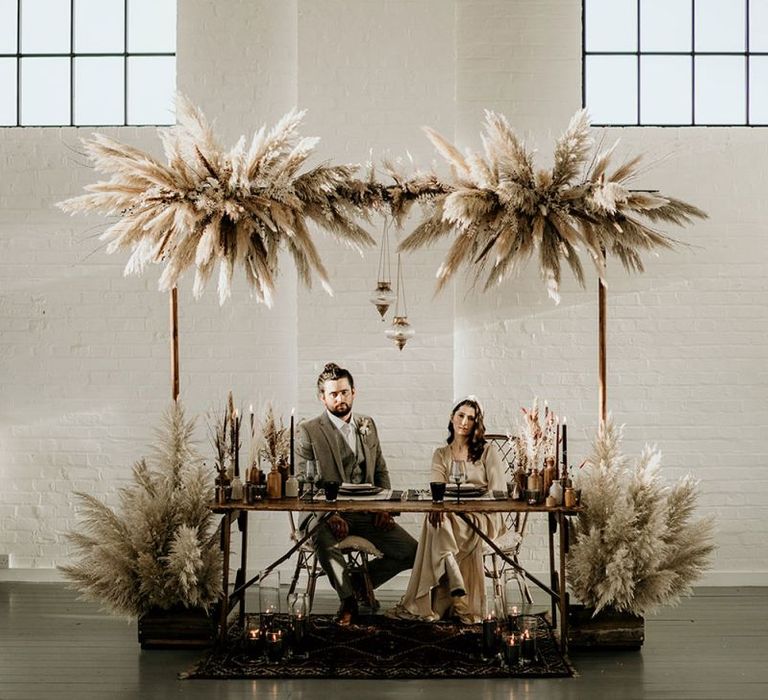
(381, 648)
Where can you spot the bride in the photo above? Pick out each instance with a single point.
(447, 578)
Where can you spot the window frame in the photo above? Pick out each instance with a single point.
(72, 55)
(638, 54)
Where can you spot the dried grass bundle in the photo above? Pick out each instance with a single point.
(505, 212)
(535, 438)
(275, 437)
(207, 207)
(638, 544)
(157, 549)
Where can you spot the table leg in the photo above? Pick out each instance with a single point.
(226, 525)
(242, 522)
(562, 522)
(553, 580)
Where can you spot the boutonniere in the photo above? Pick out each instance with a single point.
(363, 426)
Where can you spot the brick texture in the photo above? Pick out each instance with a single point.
(84, 361)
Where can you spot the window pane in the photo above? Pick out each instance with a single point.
(610, 25)
(8, 27)
(8, 91)
(151, 89)
(99, 26)
(758, 25)
(151, 26)
(44, 91)
(45, 26)
(665, 90)
(720, 90)
(665, 25)
(758, 90)
(611, 89)
(720, 25)
(99, 90)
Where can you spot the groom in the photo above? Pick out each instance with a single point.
(347, 449)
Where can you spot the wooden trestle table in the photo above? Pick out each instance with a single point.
(237, 512)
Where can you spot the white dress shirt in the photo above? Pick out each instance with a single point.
(347, 430)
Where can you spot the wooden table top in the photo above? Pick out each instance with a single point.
(467, 505)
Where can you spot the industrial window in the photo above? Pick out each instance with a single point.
(87, 62)
(675, 62)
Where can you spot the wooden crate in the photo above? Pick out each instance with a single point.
(609, 629)
(177, 628)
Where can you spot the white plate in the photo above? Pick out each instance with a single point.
(356, 487)
(369, 491)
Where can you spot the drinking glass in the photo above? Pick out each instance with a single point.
(458, 476)
(310, 477)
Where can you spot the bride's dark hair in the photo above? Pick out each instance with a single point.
(476, 441)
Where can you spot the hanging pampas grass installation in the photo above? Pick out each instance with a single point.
(504, 211)
(207, 206)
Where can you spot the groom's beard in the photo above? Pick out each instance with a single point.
(342, 410)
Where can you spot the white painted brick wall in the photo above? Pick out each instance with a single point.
(84, 368)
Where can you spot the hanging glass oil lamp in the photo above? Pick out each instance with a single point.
(400, 332)
(382, 297)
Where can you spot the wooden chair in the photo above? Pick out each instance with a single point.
(510, 542)
(357, 551)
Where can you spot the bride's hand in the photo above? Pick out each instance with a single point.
(435, 519)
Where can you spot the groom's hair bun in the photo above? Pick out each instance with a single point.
(334, 372)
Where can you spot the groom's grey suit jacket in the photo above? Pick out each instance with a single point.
(320, 440)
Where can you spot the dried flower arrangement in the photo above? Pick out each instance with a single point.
(209, 206)
(637, 545)
(504, 210)
(224, 432)
(535, 439)
(156, 550)
(275, 437)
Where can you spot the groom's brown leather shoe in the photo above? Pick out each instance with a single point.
(347, 612)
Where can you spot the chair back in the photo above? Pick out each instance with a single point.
(503, 442)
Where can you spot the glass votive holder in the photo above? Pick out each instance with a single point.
(533, 497)
(299, 634)
(490, 626)
(298, 606)
(514, 613)
(253, 638)
(528, 644)
(269, 599)
(273, 646)
(267, 620)
(511, 650)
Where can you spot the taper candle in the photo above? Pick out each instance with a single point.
(236, 442)
(565, 447)
(293, 454)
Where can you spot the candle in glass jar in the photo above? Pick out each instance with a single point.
(489, 635)
(275, 645)
(253, 639)
(527, 645)
(511, 650)
(299, 628)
